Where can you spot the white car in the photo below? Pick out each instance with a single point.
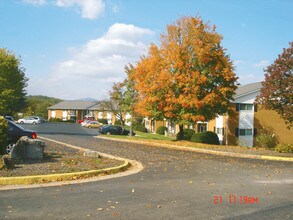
(85, 122)
(29, 120)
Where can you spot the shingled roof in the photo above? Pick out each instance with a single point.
(69, 105)
(248, 89)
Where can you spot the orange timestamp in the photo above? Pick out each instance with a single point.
(234, 199)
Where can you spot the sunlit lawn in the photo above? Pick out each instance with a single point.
(143, 136)
(162, 139)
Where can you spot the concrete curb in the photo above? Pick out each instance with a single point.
(71, 178)
(26, 180)
(206, 151)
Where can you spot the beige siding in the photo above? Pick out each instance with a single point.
(270, 120)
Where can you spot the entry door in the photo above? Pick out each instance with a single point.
(246, 119)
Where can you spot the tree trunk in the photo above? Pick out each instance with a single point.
(122, 123)
(180, 134)
(131, 131)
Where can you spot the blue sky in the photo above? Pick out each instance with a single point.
(75, 49)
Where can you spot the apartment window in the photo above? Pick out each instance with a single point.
(201, 127)
(219, 130)
(72, 112)
(100, 116)
(244, 107)
(245, 132)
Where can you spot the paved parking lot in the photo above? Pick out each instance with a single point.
(174, 185)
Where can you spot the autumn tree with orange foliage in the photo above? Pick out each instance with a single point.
(188, 77)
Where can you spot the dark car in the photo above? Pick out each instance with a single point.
(14, 133)
(113, 129)
(10, 118)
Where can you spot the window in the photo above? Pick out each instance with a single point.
(201, 127)
(244, 107)
(245, 132)
(100, 116)
(219, 131)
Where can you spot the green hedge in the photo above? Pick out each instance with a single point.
(3, 134)
(60, 120)
(118, 122)
(207, 137)
(161, 130)
(140, 128)
(187, 134)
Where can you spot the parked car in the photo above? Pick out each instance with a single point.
(39, 118)
(87, 118)
(84, 122)
(14, 133)
(93, 124)
(114, 129)
(29, 120)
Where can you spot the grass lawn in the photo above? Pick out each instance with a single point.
(161, 139)
(143, 136)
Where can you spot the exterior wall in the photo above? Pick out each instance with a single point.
(59, 114)
(158, 124)
(211, 125)
(270, 120)
(49, 114)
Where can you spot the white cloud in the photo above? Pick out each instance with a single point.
(262, 63)
(92, 68)
(90, 9)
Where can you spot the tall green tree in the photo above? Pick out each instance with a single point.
(12, 83)
(188, 77)
(121, 98)
(277, 91)
(37, 105)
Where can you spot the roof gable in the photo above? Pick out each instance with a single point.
(248, 89)
(70, 105)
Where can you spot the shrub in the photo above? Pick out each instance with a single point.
(161, 130)
(140, 127)
(117, 122)
(60, 120)
(55, 120)
(187, 134)
(206, 137)
(265, 139)
(284, 148)
(3, 134)
(103, 121)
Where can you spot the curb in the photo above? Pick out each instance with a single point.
(206, 151)
(26, 180)
(71, 178)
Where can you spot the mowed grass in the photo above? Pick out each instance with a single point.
(152, 138)
(143, 136)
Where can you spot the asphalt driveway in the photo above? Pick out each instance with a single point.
(174, 185)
